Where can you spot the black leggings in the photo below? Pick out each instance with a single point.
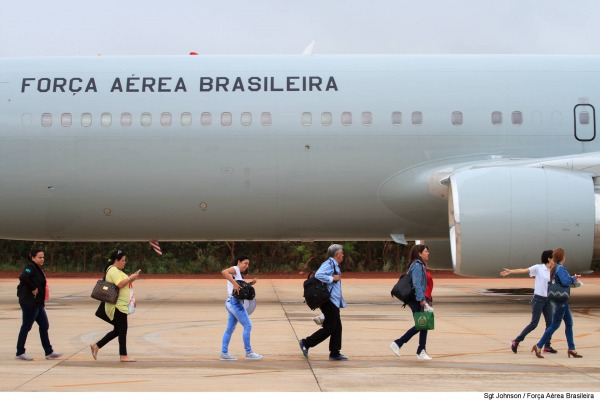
(120, 330)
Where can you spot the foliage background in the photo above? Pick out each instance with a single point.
(204, 257)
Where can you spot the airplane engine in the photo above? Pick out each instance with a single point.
(505, 217)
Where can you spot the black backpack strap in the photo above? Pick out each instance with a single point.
(333, 265)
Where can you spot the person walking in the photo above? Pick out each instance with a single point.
(330, 273)
(562, 312)
(236, 310)
(419, 255)
(540, 303)
(118, 312)
(33, 292)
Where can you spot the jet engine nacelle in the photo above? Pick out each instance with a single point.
(505, 217)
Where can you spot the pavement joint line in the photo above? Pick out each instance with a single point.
(296, 335)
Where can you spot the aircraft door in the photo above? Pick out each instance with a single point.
(585, 122)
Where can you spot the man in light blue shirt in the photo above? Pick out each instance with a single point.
(330, 273)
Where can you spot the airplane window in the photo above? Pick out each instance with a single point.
(126, 119)
(497, 118)
(306, 118)
(366, 118)
(66, 120)
(106, 119)
(417, 118)
(457, 118)
(584, 118)
(246, 119)
(146, 119)
(517, 118)
(266, 119)
(186, 119)
(346, 118)
(326, 118)
(226, 119)
(166, 119)
(396, 118)
(86, 119)
(46, 120)
(206, 119)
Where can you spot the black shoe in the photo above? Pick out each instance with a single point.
(339, 357)
(549, 349)
(513, 346)
(303, 348)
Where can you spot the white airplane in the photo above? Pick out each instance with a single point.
(496, 156)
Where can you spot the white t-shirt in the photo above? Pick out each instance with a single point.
(238, 277)
(541, 273)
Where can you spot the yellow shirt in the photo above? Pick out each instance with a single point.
(114, 275)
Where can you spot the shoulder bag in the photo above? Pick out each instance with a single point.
(105, 291)
(558, 292)
(403, 290)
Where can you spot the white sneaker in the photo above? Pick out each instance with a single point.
(423, 356)
(54, 355)
(227, 357)
(253, 356)
(395, 348)
(319, 319)
(24, 357)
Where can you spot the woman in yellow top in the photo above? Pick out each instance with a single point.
(117, 312)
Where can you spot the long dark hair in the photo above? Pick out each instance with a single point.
(116, 255)
(414, 254)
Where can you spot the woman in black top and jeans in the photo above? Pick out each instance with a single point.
(32, 292)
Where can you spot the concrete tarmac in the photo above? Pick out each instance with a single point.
(175, 334)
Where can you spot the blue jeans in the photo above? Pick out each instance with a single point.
(33, 314)
(415, 306)
(562, 312)
(237, 313)
(539, 305)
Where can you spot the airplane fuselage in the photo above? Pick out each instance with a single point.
(272, 147)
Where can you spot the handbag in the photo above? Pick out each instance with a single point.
(101, 313)
(558, 292)
(424, 321)
(246, 291)
(404, 290)
(105, 291)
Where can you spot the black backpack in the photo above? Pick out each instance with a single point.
(315, 291)
(403, 290)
